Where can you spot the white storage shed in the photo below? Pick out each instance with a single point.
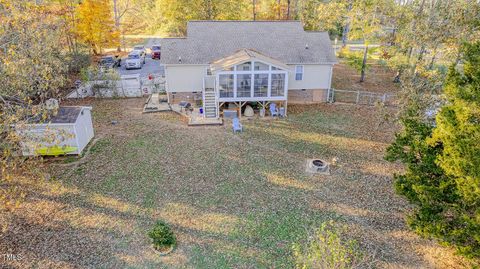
(67, 132)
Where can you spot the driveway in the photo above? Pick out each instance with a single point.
(150, 67)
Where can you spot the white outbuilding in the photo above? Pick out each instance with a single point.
(68, 131)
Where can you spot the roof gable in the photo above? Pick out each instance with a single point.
(285, 41)
(245, 55)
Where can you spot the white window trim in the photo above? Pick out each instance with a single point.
(301, 73)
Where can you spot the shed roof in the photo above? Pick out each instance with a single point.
(285, 41)
(66, 114)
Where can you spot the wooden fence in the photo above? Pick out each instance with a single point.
(361, 97)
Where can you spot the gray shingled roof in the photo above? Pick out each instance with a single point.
(286, 41)
(66, 114)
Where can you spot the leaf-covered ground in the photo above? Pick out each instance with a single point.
(234, 200)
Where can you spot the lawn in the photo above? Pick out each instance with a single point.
(234, 200)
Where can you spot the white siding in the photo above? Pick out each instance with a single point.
(189, 78)
(314, 77)
(185, 78)
(84, 129)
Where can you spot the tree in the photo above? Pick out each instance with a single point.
(34, 65)
(176, 13)
(423, 31)
(458, 133)
(442, 156)
(96, 26)
(121, 9)
(361, 19)
(309, 15)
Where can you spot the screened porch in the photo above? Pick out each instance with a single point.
(250, 76)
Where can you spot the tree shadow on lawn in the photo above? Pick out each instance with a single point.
(235, 200)
(269, 185)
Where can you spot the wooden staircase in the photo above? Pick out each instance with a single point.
(210, 103)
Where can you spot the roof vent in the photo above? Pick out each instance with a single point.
(306, 46)
(179, 59)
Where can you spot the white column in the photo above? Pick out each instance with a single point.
(269, 91)
(235, 85)
(252, 80)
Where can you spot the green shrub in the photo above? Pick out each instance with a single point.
(328, 248)
(162, 236)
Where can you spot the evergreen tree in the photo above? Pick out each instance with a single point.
(442, 160)
(458, 132)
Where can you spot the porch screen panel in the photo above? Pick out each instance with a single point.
(244, 82)
(278, 85)
(260, 88)
(226, 86)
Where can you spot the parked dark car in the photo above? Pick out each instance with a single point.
(156, 53)
(108, 62)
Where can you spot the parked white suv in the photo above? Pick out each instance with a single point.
(134, 60)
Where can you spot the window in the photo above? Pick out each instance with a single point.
(260, 88)
(299, 72)
(278, 85)
(244, 67)
(226, 85)
(244, 82)
(261, 66)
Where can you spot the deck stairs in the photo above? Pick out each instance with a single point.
(210, 101)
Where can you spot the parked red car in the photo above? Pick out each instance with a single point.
(156, 54)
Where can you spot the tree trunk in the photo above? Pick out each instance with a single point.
(364, 64)
(279, 7)
(346, 27)
(209, 11)
(117, 21)
(254, 10)
(288, 9)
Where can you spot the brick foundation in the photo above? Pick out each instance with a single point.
(177, 97)
(308, 96)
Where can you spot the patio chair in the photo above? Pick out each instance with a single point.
(236, 125)
(273, 110)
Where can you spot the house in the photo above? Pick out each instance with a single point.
(67, 131)
(238, 62)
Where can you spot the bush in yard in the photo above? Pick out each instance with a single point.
(162, 236)
(328, 248)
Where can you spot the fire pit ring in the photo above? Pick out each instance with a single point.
(318, 166)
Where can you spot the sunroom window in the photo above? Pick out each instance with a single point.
(261, 66)
(260, 88)
(244, 82)
(226, 85)
(244, 67)
(278, 85)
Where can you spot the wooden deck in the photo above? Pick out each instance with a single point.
(156, 103)
(195, 118)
